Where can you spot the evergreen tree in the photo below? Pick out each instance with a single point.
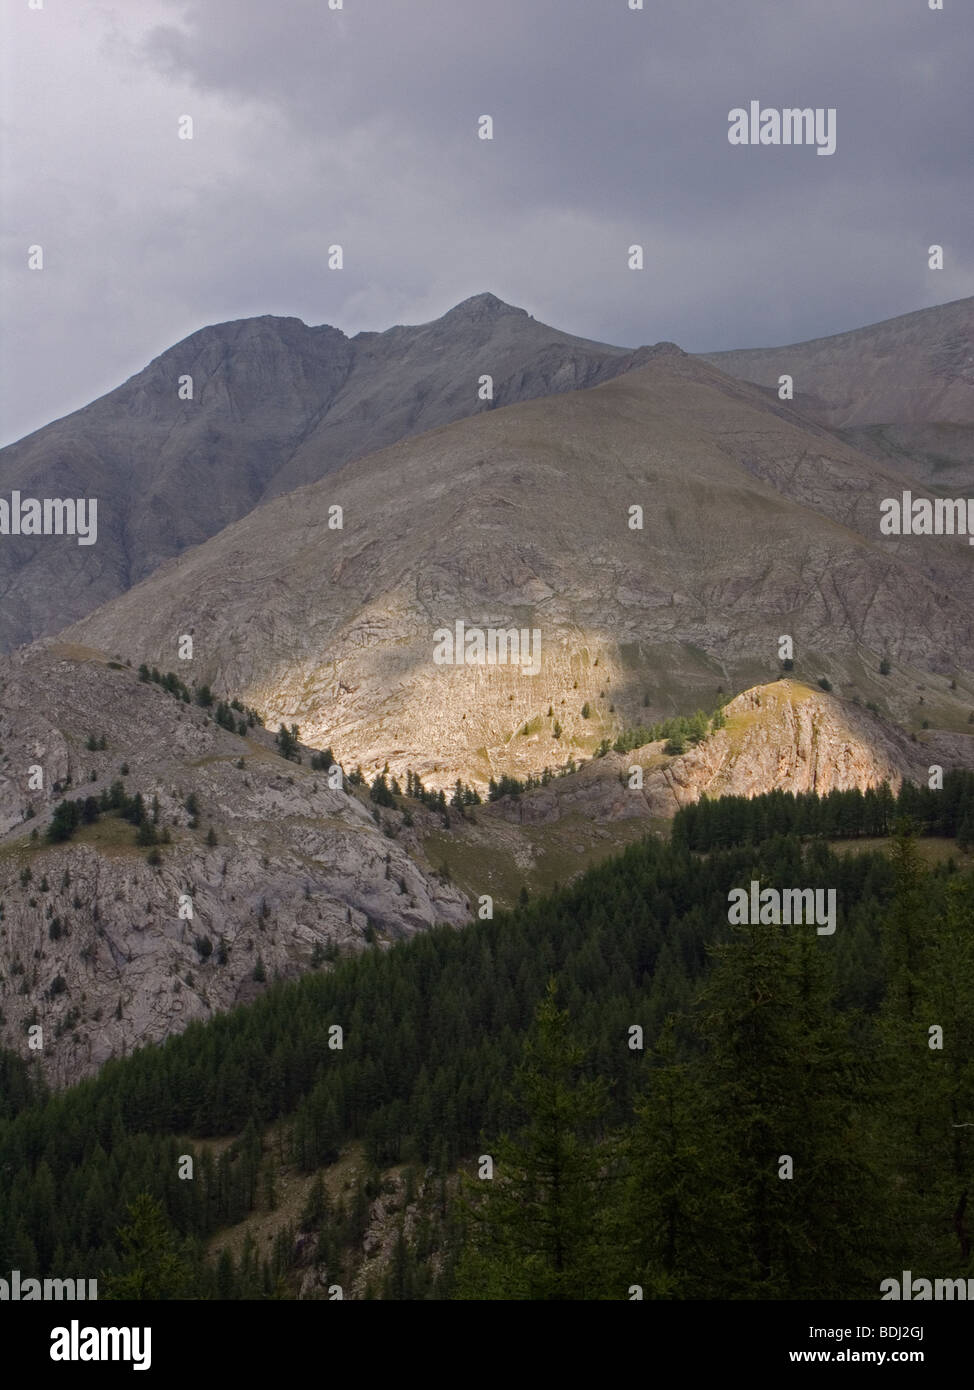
(536, 1230)
(781, 1069)
(287, 743)
(672, 1216)
(152, 1267)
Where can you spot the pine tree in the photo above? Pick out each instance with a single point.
(926, 1095)
(536, 1230)
(782, 1070)
(151, 1267)
(672, 1214)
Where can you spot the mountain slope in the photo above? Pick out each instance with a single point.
(783, 736)
(913, 370)
(275, 404)
(97, 947)
(756, 524)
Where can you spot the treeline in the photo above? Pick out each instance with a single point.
(384, 789)
(949, 811)
(433, 1031)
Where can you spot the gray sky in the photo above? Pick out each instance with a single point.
(359, 126)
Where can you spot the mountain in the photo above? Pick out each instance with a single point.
(901, 390)
(756, 524)
(916, 369)
(276, 404)
(97, 944)
(260, 870)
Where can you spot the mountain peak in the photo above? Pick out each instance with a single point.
(482, 306)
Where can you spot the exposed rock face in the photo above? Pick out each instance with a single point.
(296, 866)
(754, 525)
(782, 736)
(275, 404)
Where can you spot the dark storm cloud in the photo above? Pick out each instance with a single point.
(359, 126)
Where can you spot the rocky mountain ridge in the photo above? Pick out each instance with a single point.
(274, 404)
(912, 370)
(245, 411)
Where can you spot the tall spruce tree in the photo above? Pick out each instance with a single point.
(536, 1227)
(789, 1145)
(152, 1266)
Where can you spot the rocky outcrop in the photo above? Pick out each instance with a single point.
(782, 736)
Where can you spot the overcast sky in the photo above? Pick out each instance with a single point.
(359, 126)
